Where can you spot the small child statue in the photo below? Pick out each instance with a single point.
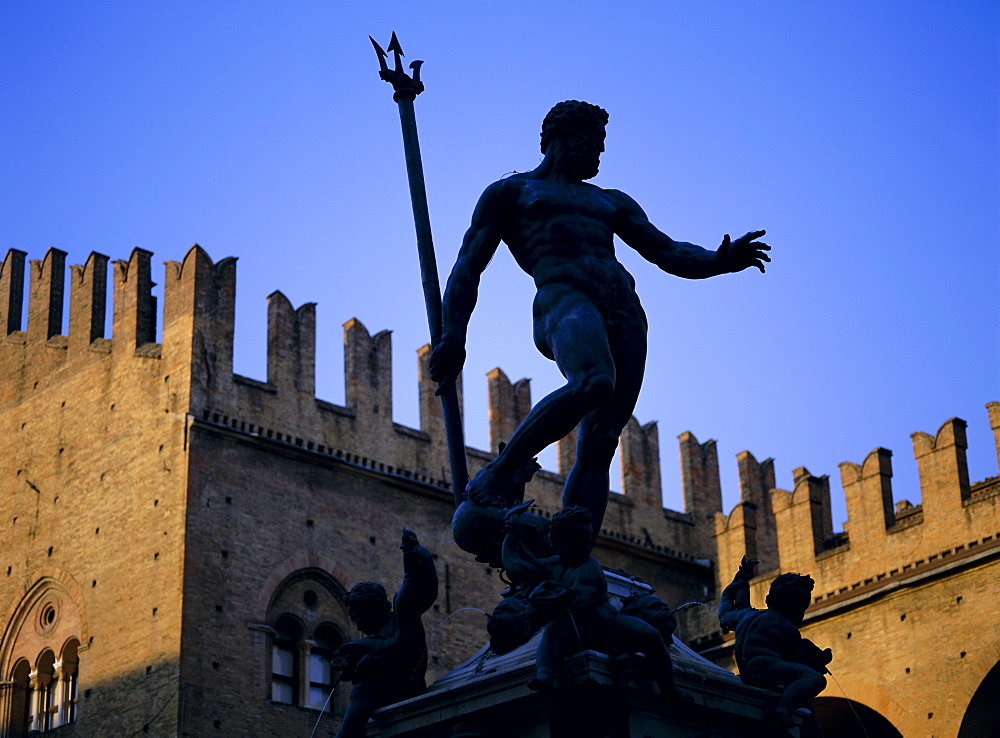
(770, 651)
(389, 663)
(570, 592)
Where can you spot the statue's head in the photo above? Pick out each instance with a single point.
(510, 624)
(790, 594)
(580, 128)
(368, 606)
(651, 609)
(572, 533)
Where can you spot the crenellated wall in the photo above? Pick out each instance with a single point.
(195, 359)
(905, 595)
(881, 537)
(190, 374)
(109, 494)
(785, 530)
(93, 469)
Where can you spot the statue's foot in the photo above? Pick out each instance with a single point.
(781, 716)
(487, 488)
(542, 682)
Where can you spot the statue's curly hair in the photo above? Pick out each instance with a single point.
(571, 116)
(367, 593)
(790, 589)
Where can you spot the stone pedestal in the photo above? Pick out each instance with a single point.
(600, 697)
(488, 697)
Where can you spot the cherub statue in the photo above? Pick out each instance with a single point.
(651, 609)
(389, 663)
(770, 651)
(570, 594)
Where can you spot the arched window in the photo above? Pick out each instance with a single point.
(42, 679)
(19, 700)
(40, 661)
(307, 621)
(65, 676)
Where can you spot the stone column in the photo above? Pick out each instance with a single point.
(6, 690)
(305, 648)
(64, 672)
(39, 683)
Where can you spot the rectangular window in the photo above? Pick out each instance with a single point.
(283, 675)
(282, 692)
(320, 682)
(284, 662)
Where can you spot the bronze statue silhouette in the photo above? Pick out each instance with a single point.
(770, 651)
(387, 665)
(587, 317)
(568, 594)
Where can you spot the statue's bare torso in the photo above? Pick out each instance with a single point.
(562, 235)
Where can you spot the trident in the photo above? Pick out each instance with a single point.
(406, 89)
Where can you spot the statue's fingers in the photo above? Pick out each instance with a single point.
(762, 255)
(751, 235)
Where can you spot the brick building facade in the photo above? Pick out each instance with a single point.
(176, 538)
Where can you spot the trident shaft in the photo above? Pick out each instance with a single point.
(406, 90)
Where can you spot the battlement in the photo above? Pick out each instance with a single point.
(786, 530)
(881, 538)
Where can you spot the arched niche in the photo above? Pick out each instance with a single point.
(980, 719)
(841, 716)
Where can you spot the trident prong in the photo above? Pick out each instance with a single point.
(383, 67)
(401, 82)
(397, 51)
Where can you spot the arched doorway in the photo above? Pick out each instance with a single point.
(840, 716)
(980, 719)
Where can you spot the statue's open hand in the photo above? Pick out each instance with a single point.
(746, 568)
(744, 252)
(827, 657)
(447, 360)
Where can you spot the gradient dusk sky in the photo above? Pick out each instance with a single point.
(864, 136)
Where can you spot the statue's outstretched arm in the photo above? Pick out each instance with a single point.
(736, 596)
(679, 257)
(462, 291)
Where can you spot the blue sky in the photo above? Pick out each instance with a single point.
(862, 135)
